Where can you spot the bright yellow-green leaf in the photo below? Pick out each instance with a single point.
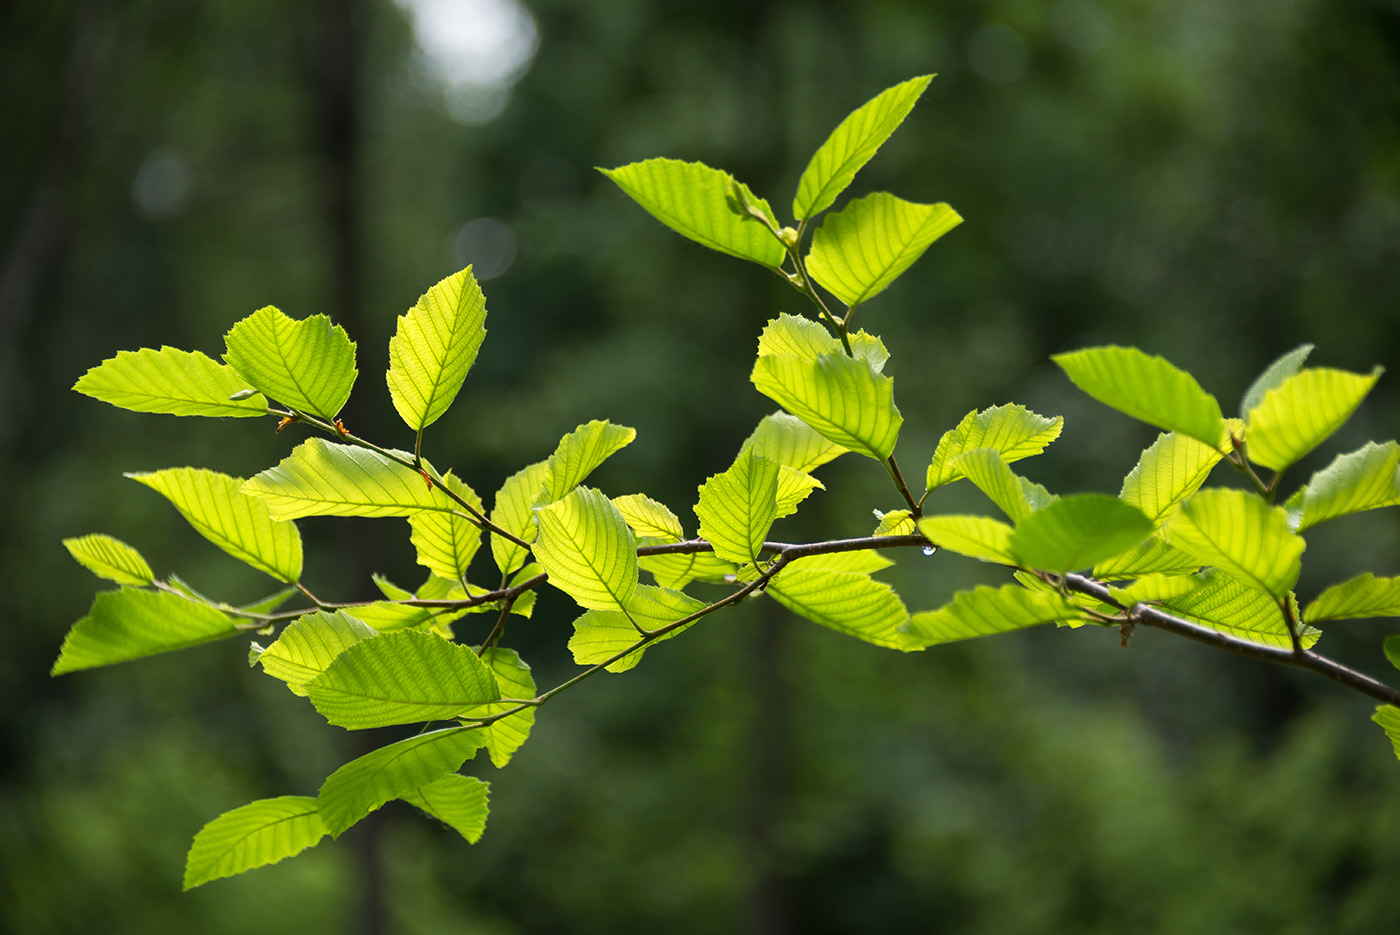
(1240, 609)
(1014, 431)
(846, 601)
(171, 381)
(676, 571)
(985, 611)
(1365, 479)
(1147, 388)
(791, 442)
(401, 678)
(1016, 496)
(241, 525)
(601, 634)
(1362, 596)
(1076, 532)
(738, 507)
(434, 346)
(587, 549)
(858, 251)
(258, 834)
(321, 478)
(795, 336)
(1302, 412)
(514, 512)
(514, 680)
(1157, 587)
(134, 623)
(794, 487)
(579, 453)
(1169, 471)
(851, 144)
(646, 517)
(110, 558)
(1281, 369)
(458, 801)
(978, 537)
(1388, 717)
(894, 523)
(1242, 535)
(841, 397)
(308, 645)
(308, 365)
(858, 561)
(447, 542)
(689, 198)
(1153, 555)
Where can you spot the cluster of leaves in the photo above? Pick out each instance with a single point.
(1216, 563)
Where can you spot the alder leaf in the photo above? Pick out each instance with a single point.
(1302, 412)
(1388, 717)
(645, 517)
(110, 558)
(894, 523)
(1147, 388)
(1281, 369)
(513, 679)
(1242, 535)
(460, 802)
(1365, 479)
(587, 550)
(401, 678)
(793, 488)
(309, 644)
(579, 453)
(841, 397)
(241, 525)
(1014, 431)
(738, 507)
(1153, 555)
(445, 542)
(851, 145)
(258, 834)
(979, 537)
(985, 611)
(514, 512)
(433, 347)
(676, 571)
(321, 478)
(397, 770)
(171, 381)
(1015, 495)
(308, 365)
(1362, 596)
(689, 198)
(1240, 609)
(791, 442)
(849, 602)
(858, 561)
(1077, 532)
(1169, 471)
(601, 634)
(858, 251)
(133, 623)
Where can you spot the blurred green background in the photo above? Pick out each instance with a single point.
(1216, 181)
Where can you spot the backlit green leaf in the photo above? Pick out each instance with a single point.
(841, 397)
(1147, 388)
(848, 602)
(110, 558)
(985, 611)
(1362, 596)
(1077, 532)
(1392, 650)
(793, 488)
(258, 834)
(858, 251)
(215, 506)
(1169, 471)
(171, 381)
(1388, 717)
(601, 634)
(851, 144)
(789, 441)
(1302, 412)
(795, 336)
(689, 198)
(1242, 535)
(1239, 609)
(447, 542)
(579, 453)
(676, 571)
(514, 512)
(1153, 555)
(978, 537)
(458, 801)
(434, 346)
(587, 549)
(859, 561)
(321, 478)
(738, 507)
(133, 623)
(400, 769)
(387, 616)
(309, 644)
(1365, 479)
(401, 678)
(1274, 374)
(1014, 431)
(514, 680)
(1017, 496)
(308, 365)
(894, 523)
(646, 517)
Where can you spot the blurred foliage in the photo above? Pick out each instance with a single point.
(1212, 180)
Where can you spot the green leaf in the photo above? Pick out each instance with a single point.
(1153, 555)
(320, 478)
(858, 251)
(308, 645)
(1242, 535)
(835, 163)
(858, 561)
(1278, 371)
(308, 365)
(1392, 650)
(791, 442)
(1014, 431)
(133, 623)
(738, 507)
(579, 453)
(110, 558)
(434, 346)
(794, 336)
(387, 616)
(400, 769)
(514, 512)
(1240, 609)
(1388, 717)
(1365, 479)
(458, 801)
(171, 381)
(1157, 587)
(601, 634)
(1147, 388)
(446, 543)
(513, 677)
(689, 198)
(1169, 471)
(258, 834)
(793, 488)
(841, 397)
(587, 549)
(979, 537)
(1016, 496)
(1302, 412)
(985, 611)
(215, 506)
(845, 601)
(401, 678)
(895, 523)
(1077, 532)
(676, 571)
(646, 517)
(1362, 596)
